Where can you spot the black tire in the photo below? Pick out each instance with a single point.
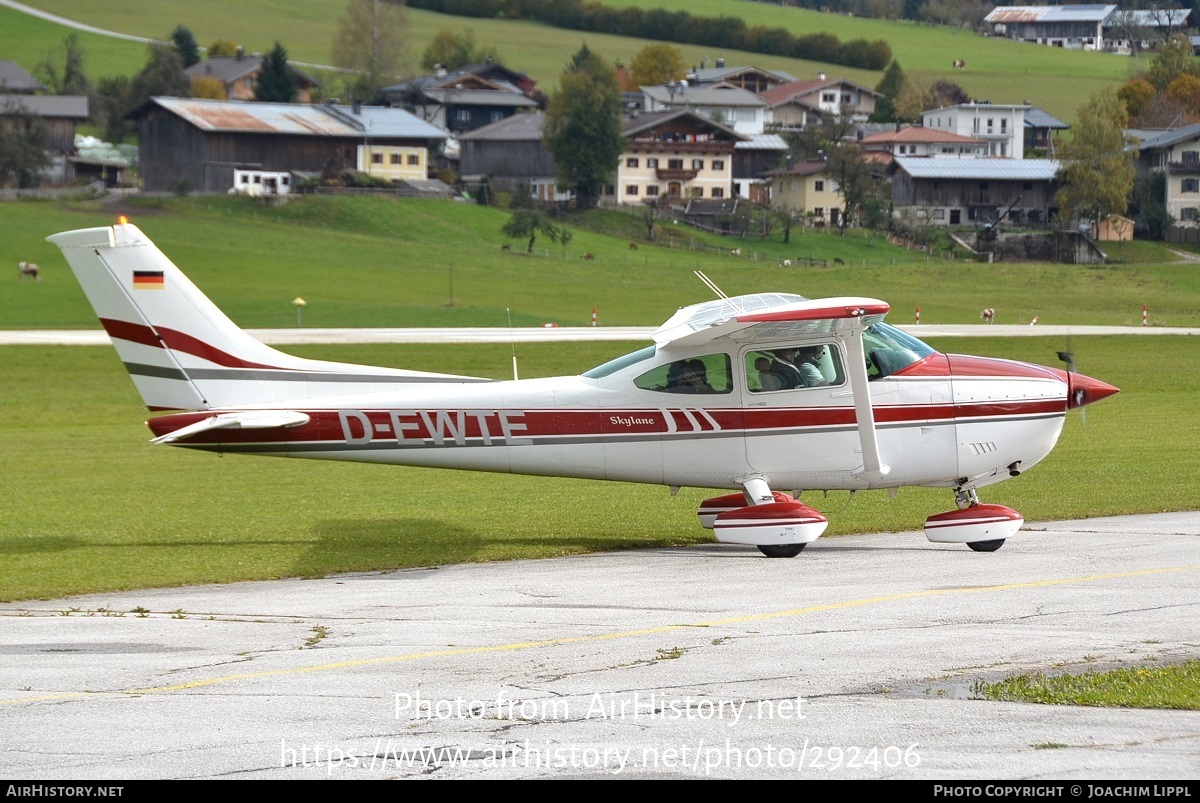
(986, 546)
(783, 550)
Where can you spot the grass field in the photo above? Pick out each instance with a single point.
(382, 262)
(1005, 72)
(97, 508)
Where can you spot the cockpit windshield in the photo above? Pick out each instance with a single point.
(890, 350)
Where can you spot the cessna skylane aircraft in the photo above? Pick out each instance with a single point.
(752, 393)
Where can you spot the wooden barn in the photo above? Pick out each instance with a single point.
(193, 145)
(975, 192)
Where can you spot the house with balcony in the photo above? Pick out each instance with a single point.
(975, 192)
(915, 140)
(798, 105)
(1000, 126)
(1175, 153)
(676, 154)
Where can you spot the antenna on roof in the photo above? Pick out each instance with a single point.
(710, 284)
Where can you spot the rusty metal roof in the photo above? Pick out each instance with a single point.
(1083, 13)
(299, 118)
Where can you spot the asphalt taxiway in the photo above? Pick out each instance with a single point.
(858, 659)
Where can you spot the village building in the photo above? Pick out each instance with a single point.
(467, 98)
(239, 75)
(1001, 126)
(798, 105)
(806, 188)
(674, 154)
(728, 105)
(510, 155)
(1176, 154)
(915, 140)
(960, 192)
(212, 146)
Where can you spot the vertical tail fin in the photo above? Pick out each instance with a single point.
(182, 352)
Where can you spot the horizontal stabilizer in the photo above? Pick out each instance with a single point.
(266, 419)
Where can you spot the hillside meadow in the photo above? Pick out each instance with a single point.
(1002, 71)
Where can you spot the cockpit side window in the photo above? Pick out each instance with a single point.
(890, 350)
(794, 367)
(708, 374)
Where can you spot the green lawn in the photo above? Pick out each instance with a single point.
(383, 262)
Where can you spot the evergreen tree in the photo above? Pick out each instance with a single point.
(583, 127)
(276, 80)
(185, 43)
(890, 87)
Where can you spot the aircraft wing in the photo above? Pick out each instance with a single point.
(257, 419)
(766, 317)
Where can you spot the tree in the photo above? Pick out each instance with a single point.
(276, 79)
(185, 44)
(70, 78)
(1136, 94)
(920, 94)
(834, 142)
(370, 43)
(890, 86)
(209, 88)
(222, 49)
(583, 127)
(657, 64)
(23, 143)
(1096, 177)
(1150, 205)
(1185, 91)
(454, 49)
(530, 222)
(162, 75)
(112, 99)
(1173, 60)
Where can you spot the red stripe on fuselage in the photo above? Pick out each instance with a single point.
(451, 426)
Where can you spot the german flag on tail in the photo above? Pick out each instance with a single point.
(148, 280)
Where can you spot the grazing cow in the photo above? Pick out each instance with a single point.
(838, 261)
(787, 263)
(588, 257)
(632, 246)
(506, 247)
(988, 315)
(737, 252)
(28, 269)
(959, 64)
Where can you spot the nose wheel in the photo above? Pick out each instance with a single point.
(984, 528)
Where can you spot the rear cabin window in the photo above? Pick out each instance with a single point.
(695, 375)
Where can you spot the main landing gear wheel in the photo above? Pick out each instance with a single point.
(986, 546)
(787, 550)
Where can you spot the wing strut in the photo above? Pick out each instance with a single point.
(873, 468)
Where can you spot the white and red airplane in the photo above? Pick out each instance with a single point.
(752, 393)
